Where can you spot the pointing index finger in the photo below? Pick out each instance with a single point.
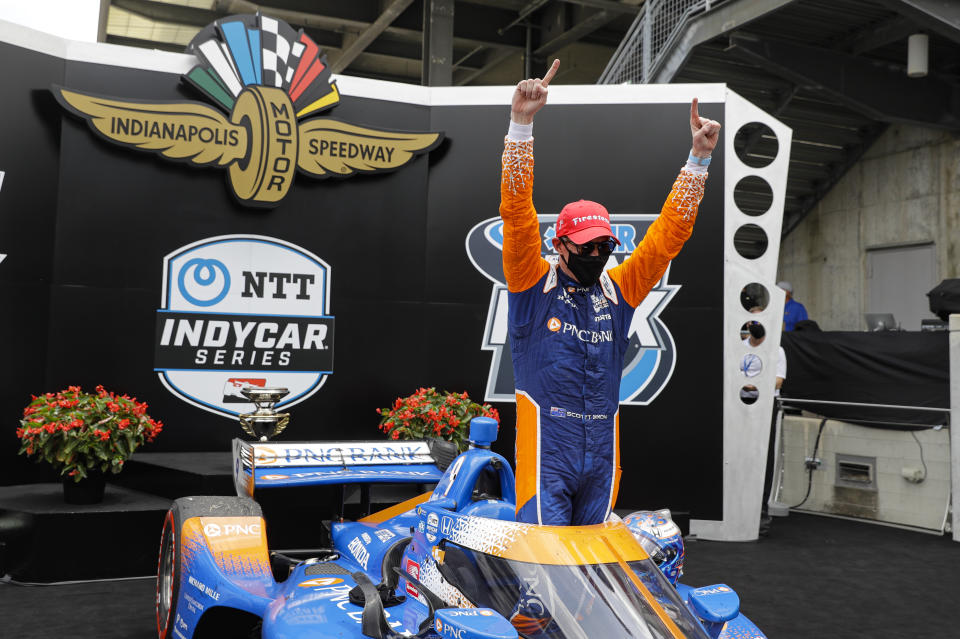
(551, 72)
(694, 114)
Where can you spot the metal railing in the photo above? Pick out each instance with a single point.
(655, 29)
(813, 403)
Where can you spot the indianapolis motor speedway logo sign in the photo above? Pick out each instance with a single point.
(651, 354)
(243, 310)
(264, 77)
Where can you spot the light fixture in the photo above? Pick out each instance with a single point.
(918, 48)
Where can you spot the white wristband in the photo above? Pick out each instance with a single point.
(520, 132)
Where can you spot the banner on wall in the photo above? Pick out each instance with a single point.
(651, 354)
(243, 310)
(265, 77)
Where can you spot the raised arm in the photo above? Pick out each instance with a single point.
(643, 269)
(522, 261)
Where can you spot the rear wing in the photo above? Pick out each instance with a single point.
(283, 464)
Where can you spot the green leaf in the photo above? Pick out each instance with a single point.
(131, 442)
(123, 447)
(72, 442)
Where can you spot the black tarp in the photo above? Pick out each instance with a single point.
(900, 368)
(945, 298)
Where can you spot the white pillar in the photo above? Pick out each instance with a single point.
(746, 428)
(955, 420)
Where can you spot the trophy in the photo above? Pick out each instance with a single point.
(264, 422)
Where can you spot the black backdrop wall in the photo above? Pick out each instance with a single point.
(86, 226)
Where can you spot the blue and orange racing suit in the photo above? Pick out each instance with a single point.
(568, 344)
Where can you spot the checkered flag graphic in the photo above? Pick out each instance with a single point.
(296, 52)
(277, 40)
(257, 50)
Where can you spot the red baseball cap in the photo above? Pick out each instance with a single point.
(583, 221)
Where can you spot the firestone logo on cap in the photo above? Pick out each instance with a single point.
(581, 215)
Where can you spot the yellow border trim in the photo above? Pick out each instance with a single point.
(573, 545)
(328, 100)
(385, 514)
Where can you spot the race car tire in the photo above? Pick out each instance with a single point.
(171, 547)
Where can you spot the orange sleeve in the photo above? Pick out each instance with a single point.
(643, 269)
(523, 264)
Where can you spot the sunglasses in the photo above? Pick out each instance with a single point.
(603, 247)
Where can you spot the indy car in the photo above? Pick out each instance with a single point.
(450, 563)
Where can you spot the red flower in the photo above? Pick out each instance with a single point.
(395, 435)
(51, 428)
(74, 389)
(29, 410)
(152, 433)
(123, 423)
(20, 432)
(113, 407)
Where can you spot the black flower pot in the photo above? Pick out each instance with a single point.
(88, 490)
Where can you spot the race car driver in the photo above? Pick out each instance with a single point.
(569, 318)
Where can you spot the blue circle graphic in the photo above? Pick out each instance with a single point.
(204, 274)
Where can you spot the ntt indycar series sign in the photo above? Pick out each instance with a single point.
(651, 354)
(243, 310)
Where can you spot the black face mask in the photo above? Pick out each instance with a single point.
(586, 268)
(756, 330)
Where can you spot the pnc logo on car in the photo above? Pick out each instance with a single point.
(211, 529)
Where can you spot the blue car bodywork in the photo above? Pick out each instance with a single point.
(450, 563)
